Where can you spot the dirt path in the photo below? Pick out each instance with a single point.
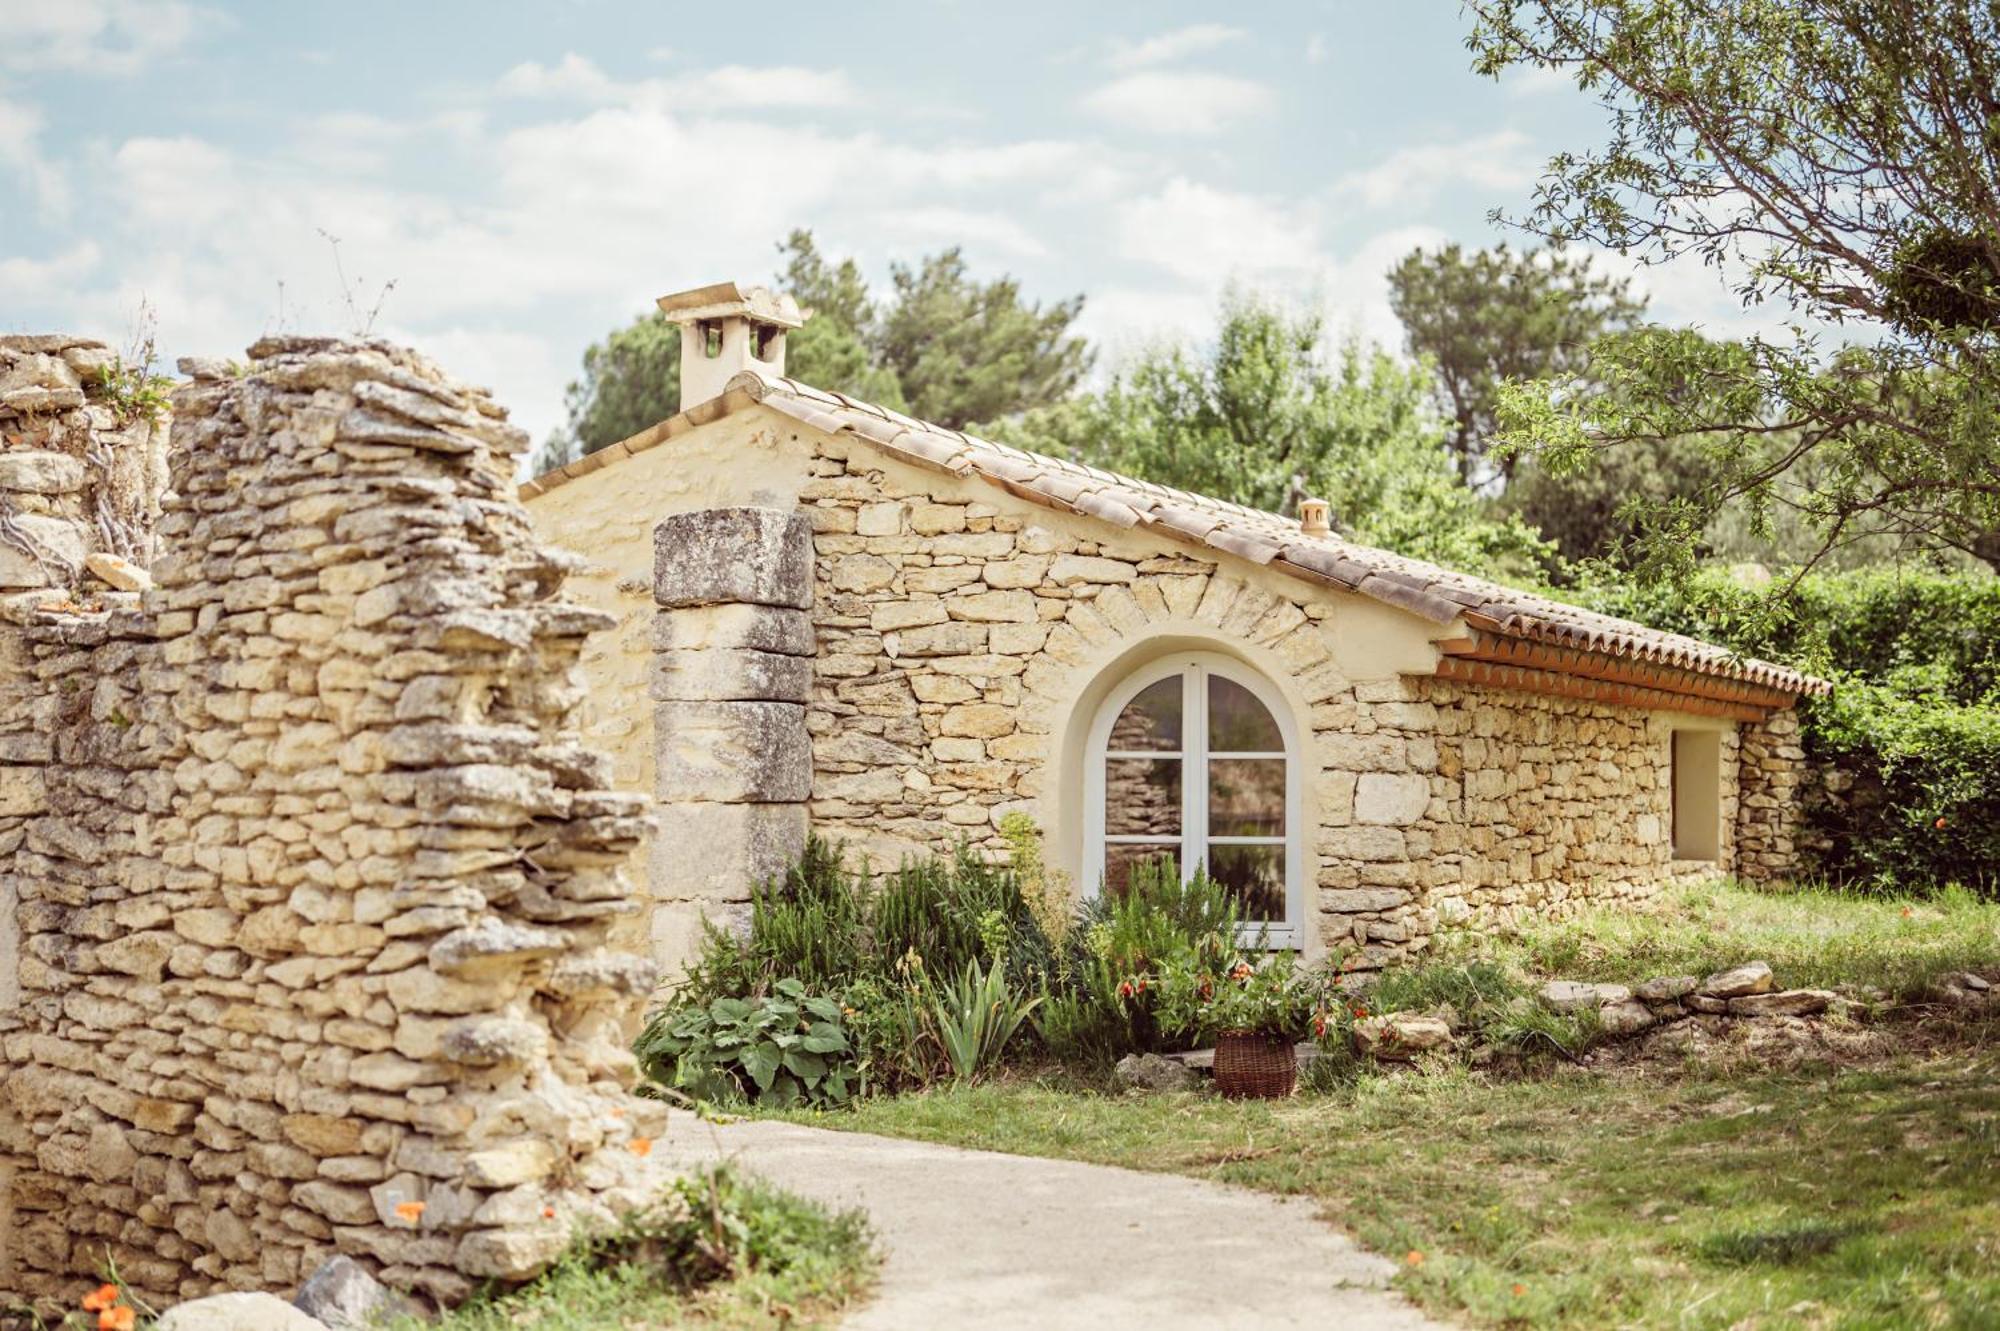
(975, 1239)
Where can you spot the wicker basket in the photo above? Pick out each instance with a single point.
(1250, 1065)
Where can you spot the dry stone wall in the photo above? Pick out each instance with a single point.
(314, 887)
(82, 466)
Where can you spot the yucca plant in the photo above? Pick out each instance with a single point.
(977, 1013)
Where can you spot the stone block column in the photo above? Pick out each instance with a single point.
(732, 672)
(1771, 767)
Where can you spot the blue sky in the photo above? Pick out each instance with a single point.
(530, 175)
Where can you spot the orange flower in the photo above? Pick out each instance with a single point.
(1142, 984)
(1125, 989)
(642, 1146)
(1939, 824)
(117, 1319)
(1413, 1257)
(1907, 912)
(104, 1296)
(409, 1212)
(1519, 1290)
(1242, 971)
(548, 1213)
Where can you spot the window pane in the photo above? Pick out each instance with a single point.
(1123, 862)
(1237, 722)
(1255, 876)
(1246, 797)
(1142, 797)
(1150, 721)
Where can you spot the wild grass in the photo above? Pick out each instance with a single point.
(1816, 1199)
(722, 1251)
(1813, 938)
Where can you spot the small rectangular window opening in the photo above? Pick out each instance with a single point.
(1697, 794)
(711, 338)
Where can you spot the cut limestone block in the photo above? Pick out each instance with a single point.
(718, 852)
(732, 752)
(758, 556)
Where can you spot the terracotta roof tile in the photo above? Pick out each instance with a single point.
(1438, 594)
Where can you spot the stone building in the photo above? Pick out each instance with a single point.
(832, 616)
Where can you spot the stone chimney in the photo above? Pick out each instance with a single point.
(726, 329)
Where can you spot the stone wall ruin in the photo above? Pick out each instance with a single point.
(312, 882)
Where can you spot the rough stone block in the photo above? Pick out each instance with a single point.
(60, 543)
(22, 791)
(1396, 799)
(723, 674)
(757, 556)
(717, 852)
(37, 471)
(731, 752)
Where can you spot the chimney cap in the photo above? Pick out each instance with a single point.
(720, 300)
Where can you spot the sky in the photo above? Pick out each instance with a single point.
(531, 175)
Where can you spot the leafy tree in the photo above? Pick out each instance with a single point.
(1493, 315)
(1834, 156)
(964, 351)
(630, 380)
(1268, 414)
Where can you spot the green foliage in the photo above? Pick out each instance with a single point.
(786, 1049)
(134, 392)
(1914, 721)
(1490, 316)
(966, 351)
(977, 1013)
(630, 380)
(1269, 414)
(1269, 995)
(1832, 159)
(716, 1248)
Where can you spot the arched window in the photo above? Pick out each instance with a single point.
(1195, 758)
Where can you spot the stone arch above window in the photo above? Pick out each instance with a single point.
(1194, 758)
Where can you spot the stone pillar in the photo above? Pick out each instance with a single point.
(733, 665)
(1770, 780)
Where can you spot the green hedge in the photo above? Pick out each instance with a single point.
(1913, 726)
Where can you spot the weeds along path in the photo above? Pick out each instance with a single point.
(975, 1239)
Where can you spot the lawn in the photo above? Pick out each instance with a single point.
(1857, 1195)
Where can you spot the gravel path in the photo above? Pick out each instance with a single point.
(975, 1239)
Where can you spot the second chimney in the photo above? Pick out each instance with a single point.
(726, 329)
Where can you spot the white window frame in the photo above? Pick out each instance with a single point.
(1195, 668)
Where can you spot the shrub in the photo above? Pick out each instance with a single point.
(787, 1049)
(1270, 996)
(1912, 731)
(977, 1014)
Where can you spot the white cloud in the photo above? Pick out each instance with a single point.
(1180, 102)
(1197, 232)
(1316, 49)
(984, 232)
(723, 89)
(1497, 163)
(1175, 45)
(30, 281)
(21, 152)
(95, 36)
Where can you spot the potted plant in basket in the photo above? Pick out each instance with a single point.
(1254, 1010)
